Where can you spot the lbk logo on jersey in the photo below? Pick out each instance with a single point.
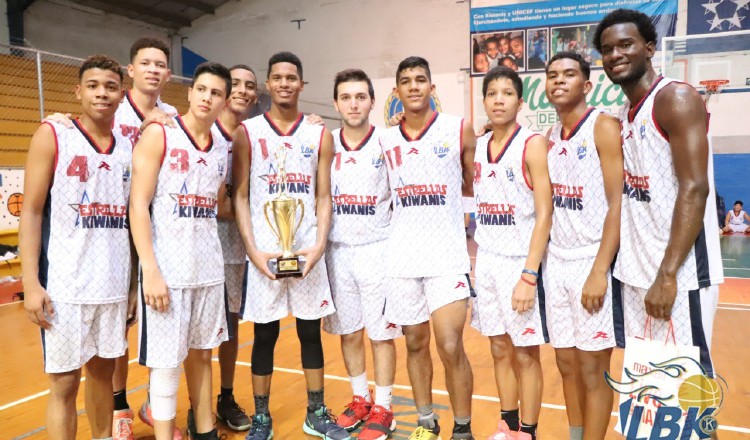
(126, 174)
(582, 150)
(643, 128)
(509, 174)
(307, 151)
(221, 167)
(377, 161)
(443, 150)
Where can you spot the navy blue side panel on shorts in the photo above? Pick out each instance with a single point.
(542, 308)
(699, 336)
(230, 330)
(144, 327)
(244, 289)
(618, 313)
(701, 260)
(43, 260)
(44, 348)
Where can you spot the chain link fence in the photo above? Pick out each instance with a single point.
(34, 84)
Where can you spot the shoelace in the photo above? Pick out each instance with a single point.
(124, 427)
(421, 433)
(354, 404)
(378, 418)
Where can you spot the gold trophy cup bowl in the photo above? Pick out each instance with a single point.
(284, 212)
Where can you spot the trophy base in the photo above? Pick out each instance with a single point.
(286, 267)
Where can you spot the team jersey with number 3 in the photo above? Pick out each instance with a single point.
(85, 253)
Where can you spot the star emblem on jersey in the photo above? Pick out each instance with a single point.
(733, 19)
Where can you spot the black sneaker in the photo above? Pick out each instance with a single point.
(229, 412)
(261, 429)
(462, 432)
(321, 423)
(191, 434)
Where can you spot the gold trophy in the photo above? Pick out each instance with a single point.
(284, 212)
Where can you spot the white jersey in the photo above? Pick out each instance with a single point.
(425, 173)
(85, 253)
(361, 194)
(737, 219)
(129, 118)
(184, 208)
(649, 197)
(578, 196)
(302, 142)
(505, 200)
(232, 246)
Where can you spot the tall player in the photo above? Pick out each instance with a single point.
(669, 263)
(514, 201)
(241, 101)
(430, 164)
(178, 191)
(82, 308)
(584, 312)
(308, 166)
(356, 267)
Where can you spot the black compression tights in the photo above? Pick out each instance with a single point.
(266, 335)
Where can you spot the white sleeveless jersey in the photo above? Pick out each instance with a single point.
(232, 246)
(738, 219)
(578, 196)
(505, 200)
(184, 208)
(361, 194)
(427, 237)
(85, 254)
(129, 117)
(649, 197)
(302, 142)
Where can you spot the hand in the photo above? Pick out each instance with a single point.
(314, 119)
(65, 119)
(260, 260)
(523, 295)
(312, 255)
(660, 297)
(38, 306)
(159, 116)
(132, 316)
(594, 290)
(396, 119)
(155, 291)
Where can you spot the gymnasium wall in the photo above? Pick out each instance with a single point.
(4, 36)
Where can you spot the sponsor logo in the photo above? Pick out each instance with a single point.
(105, 166)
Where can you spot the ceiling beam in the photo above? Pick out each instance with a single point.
(132, 10)
(197, 4)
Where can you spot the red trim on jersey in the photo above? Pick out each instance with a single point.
(138, 111)
(656, 124)
(192, 140)
(57, 152)
(576, 127)
(224, 132)
(422, 132)
(634, 110)
(361, 143)
(276, 128)
(523, 160)
(502, 151)
(249, 144)
(90, 140)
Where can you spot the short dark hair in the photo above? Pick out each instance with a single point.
(243, 67)
(491, 40)
(738, 202)
(503, 72)
(412, 63)
(148, 43)
(209, 67)
(100, 62)
(352, 75)
(584, 65)
(284, 57)
(642, 21)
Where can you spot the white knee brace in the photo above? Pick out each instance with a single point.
(163, 392)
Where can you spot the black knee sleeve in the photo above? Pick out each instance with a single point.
(266, 336)
(308, 332)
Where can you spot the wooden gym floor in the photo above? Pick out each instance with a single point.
(24, 386)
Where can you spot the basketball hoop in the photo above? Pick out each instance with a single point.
(713, 87)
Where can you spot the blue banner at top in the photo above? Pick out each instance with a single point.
(547, 13)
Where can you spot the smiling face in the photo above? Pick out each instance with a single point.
(284, 84)
(149, 71)
(501, 101)
(354, 103)
(481, 64)
(626, 56)
(100, 92)
(244, 91)
(414, 89)
(566, 84)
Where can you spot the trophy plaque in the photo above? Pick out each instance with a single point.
(283, 210)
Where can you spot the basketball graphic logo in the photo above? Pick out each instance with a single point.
(15, 201)
(699, 391)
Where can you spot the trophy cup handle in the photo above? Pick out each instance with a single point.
(268, 220)
(301, 215)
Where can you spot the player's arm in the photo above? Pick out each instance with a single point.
(148, 154)
(747, 217)
(609, 146)
(241, 160)
(468, 145)
(224, 207)
(40, 166)
(681, 113)
(323, 203)
(726, 220)
(133, 290)
(536, 169)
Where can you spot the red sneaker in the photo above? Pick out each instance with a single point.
(504, 433)
(357, 411)
(145, 415)
(379, 426)
(122, 425)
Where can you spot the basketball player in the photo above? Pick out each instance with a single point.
(585, 168)
(514, 201)
(178, 190)
(309, 153)
(735, 221)
(241, 101)
(356, 267)
(430, 164)
(669, 263)
(82, 307)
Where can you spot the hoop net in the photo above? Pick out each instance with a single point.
(713, 87)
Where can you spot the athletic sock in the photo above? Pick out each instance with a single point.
(261, 404)
(121, 400)
(360, 386)
(511, 418)
(226, 392)
(383, 396)
(314, 400)
(529, 429)
(576, 433)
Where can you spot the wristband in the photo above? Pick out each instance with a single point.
(527, 282)
(530, 272)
